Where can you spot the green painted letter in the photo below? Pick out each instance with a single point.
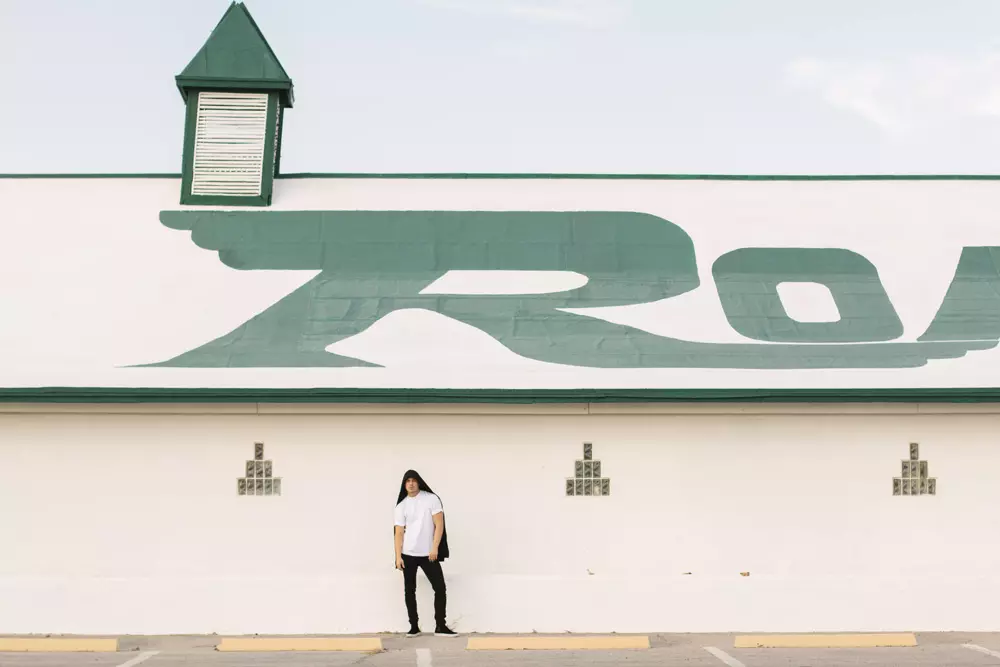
(748, 279)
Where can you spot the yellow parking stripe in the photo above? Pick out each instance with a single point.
(556, 643)
(363, 644)
(826, 641)
(57, 644)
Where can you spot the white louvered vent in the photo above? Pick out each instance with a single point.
(229, 144)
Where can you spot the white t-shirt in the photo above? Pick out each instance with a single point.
(414, 513)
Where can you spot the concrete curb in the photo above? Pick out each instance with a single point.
(898, 639)
(58, 645)
(266, 644)
(595, 643)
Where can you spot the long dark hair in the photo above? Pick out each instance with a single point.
(413, 474)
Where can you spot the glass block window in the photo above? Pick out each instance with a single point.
(587, 479)
(914, 479)
(259, 479)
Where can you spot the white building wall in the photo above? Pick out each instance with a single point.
(130, 523)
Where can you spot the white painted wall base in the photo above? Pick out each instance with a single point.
(131, 523)
(496, 603)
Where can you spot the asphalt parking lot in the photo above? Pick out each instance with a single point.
(937, 649)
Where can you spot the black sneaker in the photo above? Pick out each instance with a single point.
(445, 632)
(414, 632)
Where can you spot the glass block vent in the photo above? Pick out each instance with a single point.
(259, 479)
(587, 477)
(914, 479)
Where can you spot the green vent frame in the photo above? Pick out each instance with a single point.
(268, 170)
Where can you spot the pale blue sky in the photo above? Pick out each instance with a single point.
(651, 86)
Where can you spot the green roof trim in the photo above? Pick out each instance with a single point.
(555, 176)
(520, 396)
(236, 57)
(658, 177)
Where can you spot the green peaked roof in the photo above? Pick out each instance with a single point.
(236, 56)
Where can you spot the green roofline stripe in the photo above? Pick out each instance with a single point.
(513, 176)
(213, 395)
(90, 175)
(667, 177)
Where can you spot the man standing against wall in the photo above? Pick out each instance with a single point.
(421, 542)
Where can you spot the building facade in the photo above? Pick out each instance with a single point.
(648, 403)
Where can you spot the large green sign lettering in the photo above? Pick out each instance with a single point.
(971, 308)
(748, 279)
(372, 263)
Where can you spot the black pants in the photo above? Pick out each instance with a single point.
(434, 574)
